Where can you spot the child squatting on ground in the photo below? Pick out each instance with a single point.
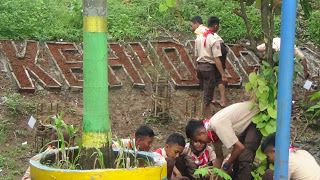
(301, 164)
(142, 140)
(174, 147)
(232, 127)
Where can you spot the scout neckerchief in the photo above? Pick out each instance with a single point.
(211, 134)
(159, 151)
(132, 143)
(205, 34)
(292, 149)
(202, 159)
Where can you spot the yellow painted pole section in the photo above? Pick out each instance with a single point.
(150, 173)
(95, 140)
(95, 24)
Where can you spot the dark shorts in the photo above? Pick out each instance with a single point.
(207, 81)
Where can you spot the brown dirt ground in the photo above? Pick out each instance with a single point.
(128, 107)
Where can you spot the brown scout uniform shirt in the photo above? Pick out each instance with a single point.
(211, 50)
(232, 121)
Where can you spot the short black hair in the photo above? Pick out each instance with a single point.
(269, 141)
(176, 138)
(192, 126)
(144, 131)
(213, 21)
(196, 19)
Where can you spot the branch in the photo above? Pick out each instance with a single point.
(275, 5)
(238, 14)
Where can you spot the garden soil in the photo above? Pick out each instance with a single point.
(128, 109)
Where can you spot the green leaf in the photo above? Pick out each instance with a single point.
(256, 119)
(263, 132)
(297, 59)
(221, 173)
(170, 3)
(163, 7)
(272, 112)
(261, 89)
(276, 68)
(298, 68)
(253, 77)
(271, 166)
(265, 117)
(315, 96)
(314, 107)
(260, 155)
(263, 105)
(249, 2)
(266, 72)
(258, 4)
(273, 122)
(261, 169)
(251, 106)
(315, 115)
(202, 171)
(261, 125)
(265, 63)
(262, 82)
(248, 86)
(270, 129)
(276, 56)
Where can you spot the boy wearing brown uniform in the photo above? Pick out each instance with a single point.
(172, 150)
(223, 128)
(208, 49)
(297, 53)
(197, 25)
(301, 164)
(142, 141)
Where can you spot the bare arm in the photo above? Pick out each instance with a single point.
(305, 67)
(219, 155)
(220, 68)
(176, 172)
(238, 147)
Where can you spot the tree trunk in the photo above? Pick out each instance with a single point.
(265, 13)
(243, 15)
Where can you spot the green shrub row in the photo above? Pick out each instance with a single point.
(313, 27)
(41, 19)
(136, 19)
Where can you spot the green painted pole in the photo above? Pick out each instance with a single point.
(96, 127)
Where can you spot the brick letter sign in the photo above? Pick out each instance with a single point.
(22, 65)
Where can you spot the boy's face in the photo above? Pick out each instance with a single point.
(173, 150)
(198, 146)
(270, 153)
(144, 143)
(194, 25)
(201, 135)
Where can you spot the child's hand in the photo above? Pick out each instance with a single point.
(205, 165)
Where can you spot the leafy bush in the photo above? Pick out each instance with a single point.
(313, 27)
(41, 19)
(16, 104)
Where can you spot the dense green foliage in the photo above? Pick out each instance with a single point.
(313, 27)
(145, 17)
(62, 19)
(41, 19)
